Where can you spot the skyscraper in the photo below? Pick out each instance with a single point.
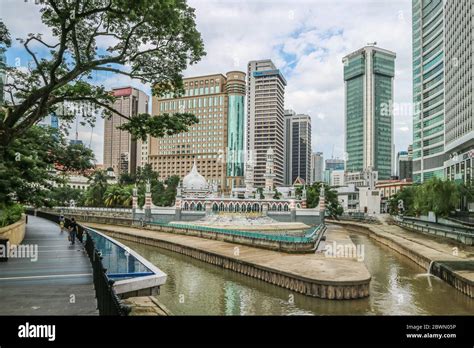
(297, 158)
(317, 167)
(265, 118)
(404, 165)
(368, 76)
(459, 94)
(428, 89)
(216, 142)
(120, 150)
(332, 164)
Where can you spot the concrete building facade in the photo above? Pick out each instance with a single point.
(265, 118)
(317, 167)
(216, 142)
(120, 150)
(428, 89)
(459, 94)
(297, 157)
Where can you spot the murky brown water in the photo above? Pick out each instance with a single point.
(398, 287)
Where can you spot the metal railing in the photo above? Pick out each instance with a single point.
(108, 302)
(463, 235)
(309, 236)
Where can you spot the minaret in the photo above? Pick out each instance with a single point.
(269, 174)
(249, 179)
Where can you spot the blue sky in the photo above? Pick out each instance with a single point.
(305, 38)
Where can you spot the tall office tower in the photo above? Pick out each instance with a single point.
(459, 94)
(368, 76)
(120, 150)
(404, 165)
(216, 142)
(317, 167)
(235, 89)
(428, 89)
(297, 157)
(265, 118)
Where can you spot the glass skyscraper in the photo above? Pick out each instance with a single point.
(368, 76)
(235, 89)
(428, 89)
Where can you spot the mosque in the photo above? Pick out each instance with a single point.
(196, 194)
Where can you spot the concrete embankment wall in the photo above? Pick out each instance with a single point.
(310, 287)
(15, 233)
(445, 270)
(287, 247)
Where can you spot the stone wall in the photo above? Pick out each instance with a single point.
(14, 232)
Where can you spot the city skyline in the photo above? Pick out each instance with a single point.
(306, 41)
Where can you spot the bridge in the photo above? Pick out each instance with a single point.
(45, 274)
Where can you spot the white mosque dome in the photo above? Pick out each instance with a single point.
(194, 180)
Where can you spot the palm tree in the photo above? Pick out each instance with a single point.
(97, 187)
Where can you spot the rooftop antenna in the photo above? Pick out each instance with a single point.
(372, 43)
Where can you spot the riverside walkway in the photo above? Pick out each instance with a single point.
(57, 280)
(310, 274)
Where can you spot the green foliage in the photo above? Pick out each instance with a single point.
(277, 194)
(63, 195)
(435, 195)
(9, 214)
(28, 165)
(153, 41)
(407, 195)
(332, 204)
(94, 196)
(118, 196)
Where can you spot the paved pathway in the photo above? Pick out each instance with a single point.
(59, 282)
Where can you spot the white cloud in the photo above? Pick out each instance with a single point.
(306, 39)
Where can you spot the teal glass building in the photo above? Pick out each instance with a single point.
(428, 89)
(235, 88)
(368, 76)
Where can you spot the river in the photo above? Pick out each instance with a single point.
(398, 287)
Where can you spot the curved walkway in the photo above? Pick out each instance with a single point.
(55, 278)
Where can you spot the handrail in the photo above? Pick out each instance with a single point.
(309, 236)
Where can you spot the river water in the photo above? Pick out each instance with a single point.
(398, 287)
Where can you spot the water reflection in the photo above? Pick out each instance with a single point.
(197, 288)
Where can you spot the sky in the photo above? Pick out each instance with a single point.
(306, 39)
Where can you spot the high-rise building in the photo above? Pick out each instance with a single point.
(368, 76)
(317, 167)
(330, 165)
(428, 88)
(216, 142)
(297, 156)
(265, 118)
(459, 94)
(120, 149)
(404, 165)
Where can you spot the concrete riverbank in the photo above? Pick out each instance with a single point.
(310, 274)
(450, 261)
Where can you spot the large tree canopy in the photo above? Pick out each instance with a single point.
(149, 40)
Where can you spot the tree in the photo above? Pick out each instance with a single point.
(332, 203)
(439, 196)
(97, 187)
(30, 166)
(63, 195)
(152, 41)
(407, 195)
(118, 196)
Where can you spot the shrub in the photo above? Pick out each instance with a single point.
(10, 214)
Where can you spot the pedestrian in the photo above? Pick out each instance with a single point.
(61, 222)
(72, 231)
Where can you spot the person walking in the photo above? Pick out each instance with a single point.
(61, 222)
(72, 231)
